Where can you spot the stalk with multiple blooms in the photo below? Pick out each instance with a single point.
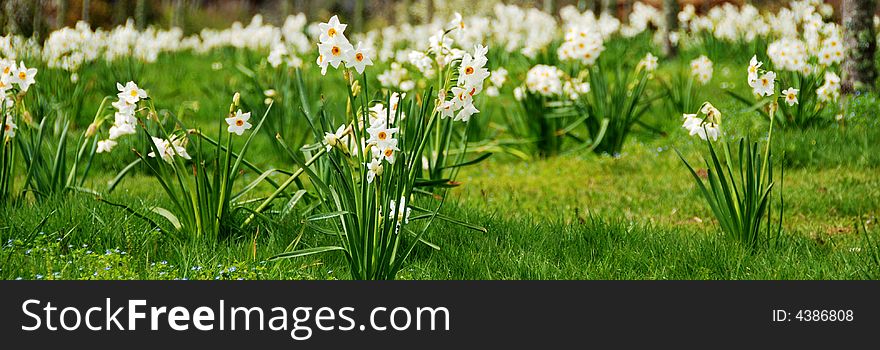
(15, 80)
(740, 185)
(366, 167)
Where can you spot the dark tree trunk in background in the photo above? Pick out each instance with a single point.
(140, 14)
(286, 8)
(403, 15)
(120, 12)
(859, 69)
(61, 16)
(596, 6)
(611, 7)
(177, 14)
(38, 26)
(430, 15)
(550, 6)
(670, 13)
(86, 8)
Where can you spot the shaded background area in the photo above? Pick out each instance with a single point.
(29, 17)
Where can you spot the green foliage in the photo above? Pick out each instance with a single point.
(620, 101)
(739, 191)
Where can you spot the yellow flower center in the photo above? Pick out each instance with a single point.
(469, 70)
(389, 152)
(335, 51)
(331, 32)
(382, 135)
(134, 93)
(239, 122)
(359, 57)
(22, 75)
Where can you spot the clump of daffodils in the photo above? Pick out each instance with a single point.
(583, 43)
(396, 76)
(830, 89)
(544, 80)
(551, 82)
(335, 49)
(706, 123)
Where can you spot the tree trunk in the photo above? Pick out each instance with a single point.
(37, 17)
(550, 6)
(61, 16)
(286, 8)
(177, 14)
(140, 14)
(430, 15)
(611, 7)
(596, 7)
(120, 12)
(859, 69)
(670, 13)
(86, 7)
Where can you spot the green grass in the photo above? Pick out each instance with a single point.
(577, 216)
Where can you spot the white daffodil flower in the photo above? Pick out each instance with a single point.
(23, 76)
(105, 146)
(790, 96)
(238, 123)
(374, 168)
(131, 93)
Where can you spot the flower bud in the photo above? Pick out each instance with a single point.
(93, 128)
(355, 88)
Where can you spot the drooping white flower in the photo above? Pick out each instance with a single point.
(374, 168)
(9, 128)
(334, 139)
(105, 146)
(117, 131)
(700, 127)
(399, 211)
(238, 123)
(168, 149)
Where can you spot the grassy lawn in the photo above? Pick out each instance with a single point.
(571, 217)
(576, 216)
